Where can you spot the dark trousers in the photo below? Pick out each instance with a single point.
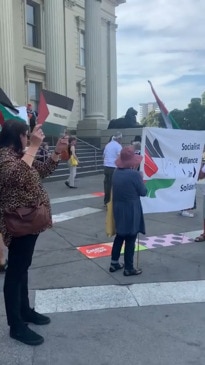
(108, 172)
(16, 278)
(129, 250)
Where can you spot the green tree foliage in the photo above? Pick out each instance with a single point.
(195, 101)
(203, 98)
(191, 118)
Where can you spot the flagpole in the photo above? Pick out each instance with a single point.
(138, 251)
(168, 119)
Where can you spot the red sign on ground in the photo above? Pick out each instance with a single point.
(97, 250)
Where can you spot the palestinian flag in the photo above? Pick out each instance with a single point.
(7, 114)
(168, 119)
(1, 120)
(152, 167)
(54, 112)
(8, 111)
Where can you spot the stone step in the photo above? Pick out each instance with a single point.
(63, 176)
(91, 162)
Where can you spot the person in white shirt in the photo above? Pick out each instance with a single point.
(111, 153)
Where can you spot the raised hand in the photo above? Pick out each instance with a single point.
(61, 144)
(37, 136)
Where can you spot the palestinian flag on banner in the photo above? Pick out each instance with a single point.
(54, 112)
(8, 111)
(168, 119)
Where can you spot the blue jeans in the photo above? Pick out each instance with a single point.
(129, 250)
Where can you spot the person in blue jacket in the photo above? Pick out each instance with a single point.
(127, 188)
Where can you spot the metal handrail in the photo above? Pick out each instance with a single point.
(81, 140)
(94, 147)
(88, 144)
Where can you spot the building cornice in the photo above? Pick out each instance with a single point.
(70, 3)
(116, 2)
(80, 22)
(120, 2)
(31, 68)
(109, 22)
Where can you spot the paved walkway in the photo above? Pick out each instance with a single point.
(99, 318)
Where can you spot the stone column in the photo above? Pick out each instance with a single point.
(112, 71)
(7, 64)
(90, 128)
(55, 46)
(93, 59)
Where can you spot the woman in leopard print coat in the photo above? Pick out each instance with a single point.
(21, 186)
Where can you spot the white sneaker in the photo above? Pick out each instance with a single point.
(186, 213)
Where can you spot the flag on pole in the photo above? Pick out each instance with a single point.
(53, 112)
(8, 111)
(168, 119)
(54, 108)
(4, 100)
(8, 114)
(1, 120)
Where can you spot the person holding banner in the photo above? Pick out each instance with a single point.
(21, 190)
(201, 238)
(127, 187)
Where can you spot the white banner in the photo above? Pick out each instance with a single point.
(171, 164)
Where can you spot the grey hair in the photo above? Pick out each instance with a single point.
(117, 135)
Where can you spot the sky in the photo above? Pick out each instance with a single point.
(162, 41)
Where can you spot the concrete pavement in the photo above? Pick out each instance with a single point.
(119, 333)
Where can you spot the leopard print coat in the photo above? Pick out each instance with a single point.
(21, 186)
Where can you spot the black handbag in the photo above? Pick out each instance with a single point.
(26, 220)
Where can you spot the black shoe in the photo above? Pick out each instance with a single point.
(67, 184)
(115, 267)
(132, 272)
(36, 318)
(26, 335)
(72, 187)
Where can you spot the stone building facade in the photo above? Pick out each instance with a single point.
(66, 46)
